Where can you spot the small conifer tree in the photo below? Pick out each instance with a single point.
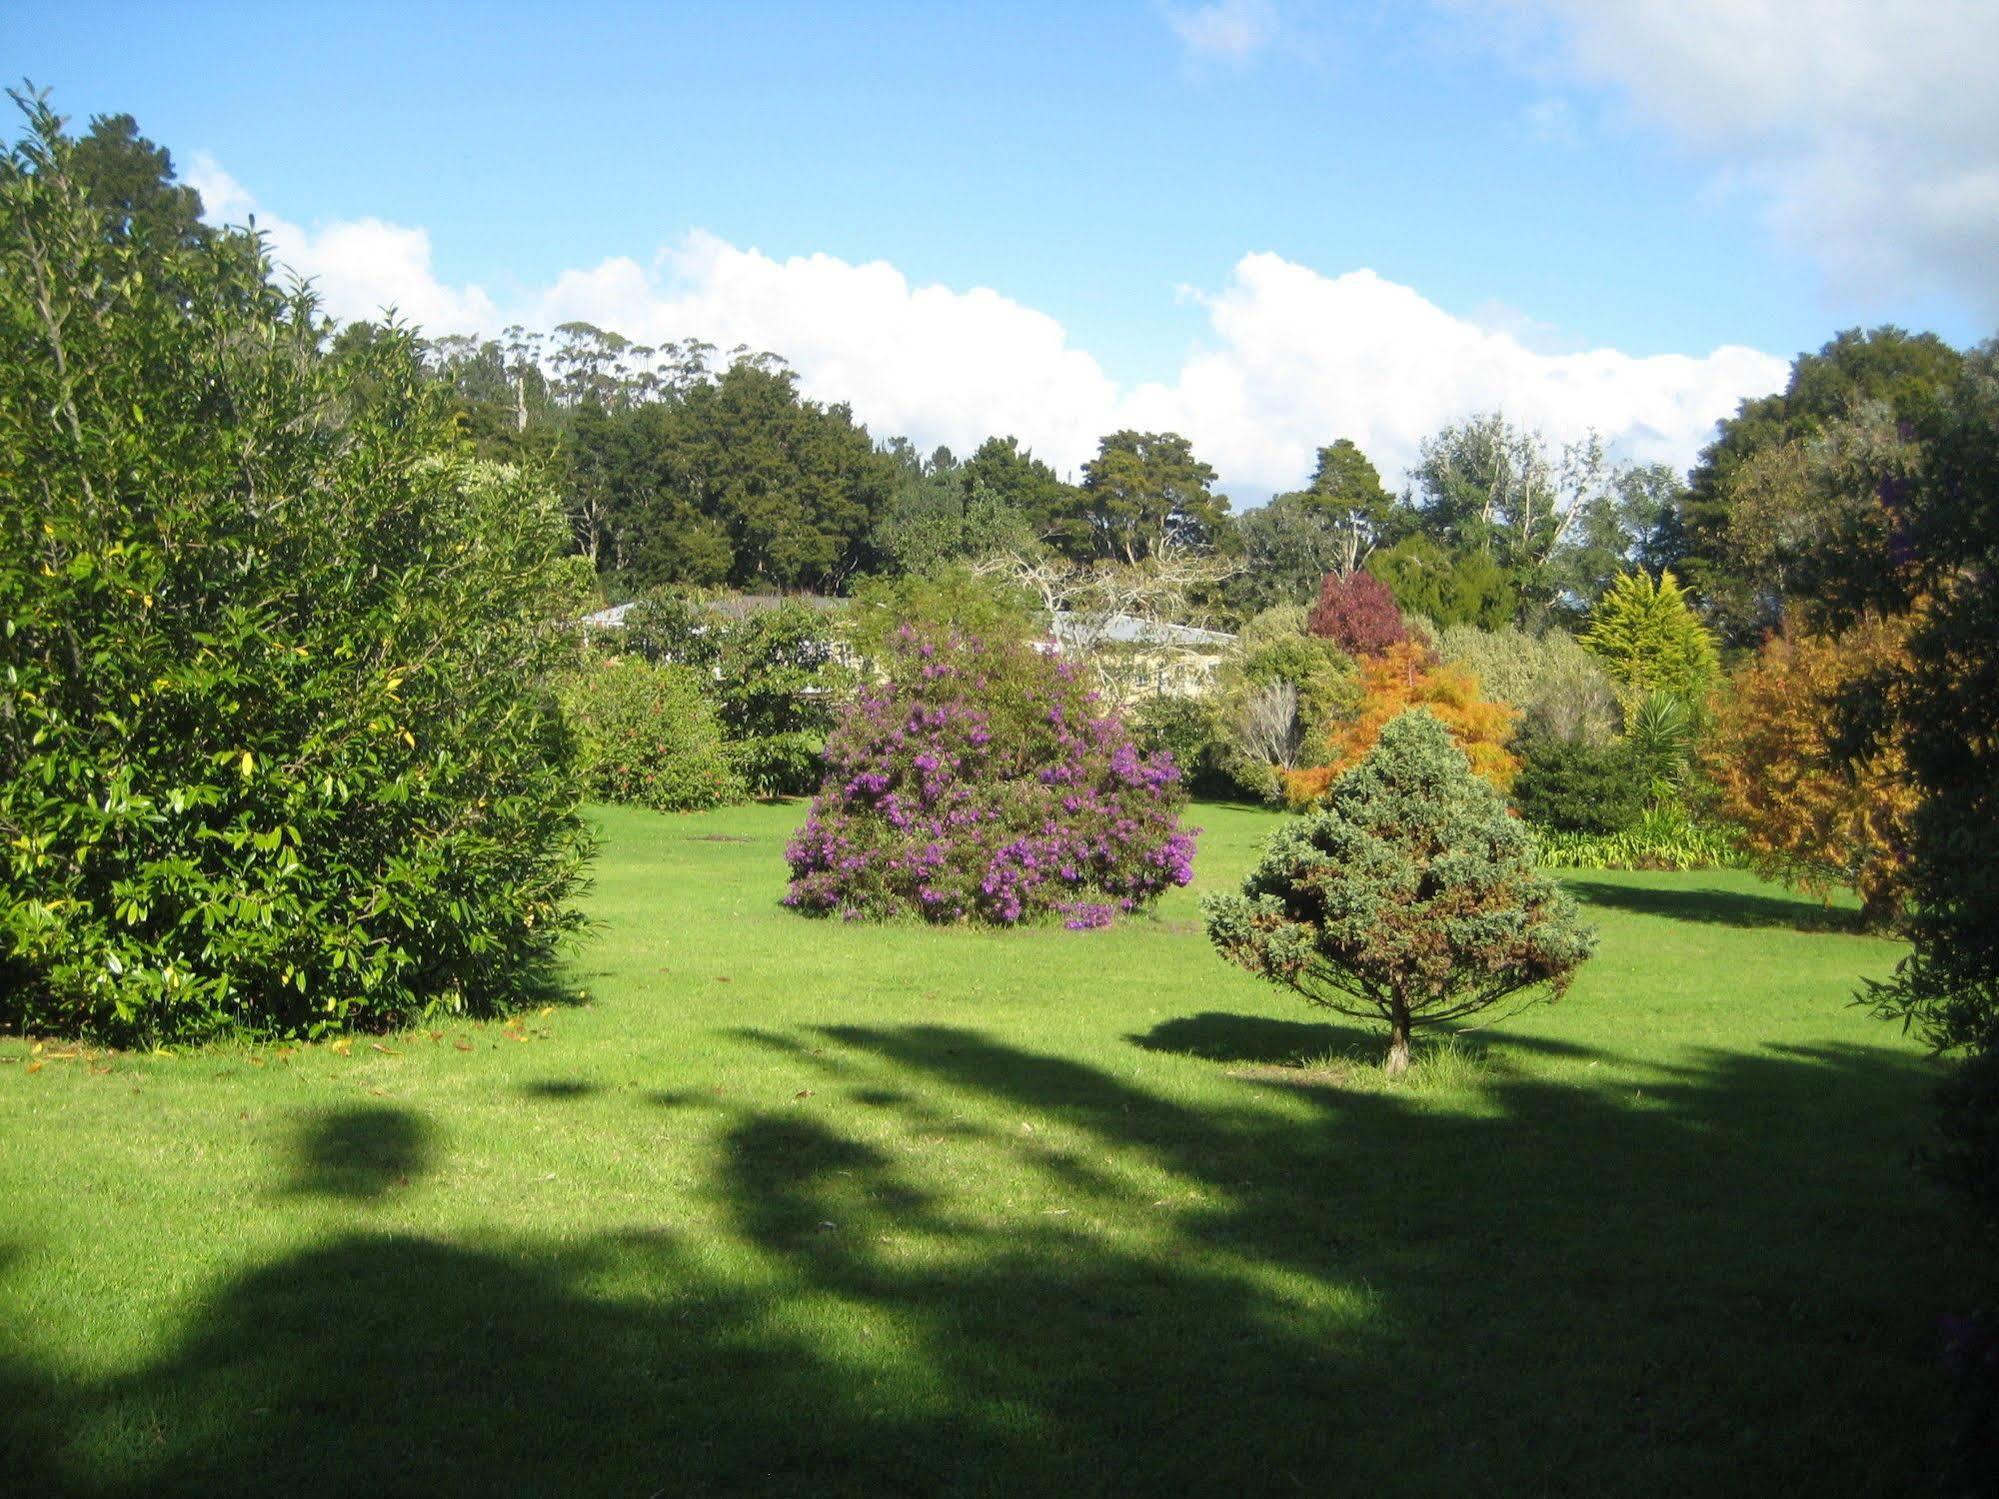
(1409, 896)
(1648, 637)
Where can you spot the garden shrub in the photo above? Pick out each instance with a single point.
(278, 749)
(1279, 689)
(1193, 733)
(1403, 677)
(1409, 896)
(671, 626)
(776, 683)
(1664, 837)
(947, 598)
(771, 676)
(1561, 690)
(647, 736)
(981, 783)
(1449, 588)
(1575, 787)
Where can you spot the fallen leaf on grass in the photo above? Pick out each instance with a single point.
(385, 1051)
(723, 978)
(36, 1066)
(462, 1045)
(343, 1048)
(802, 1093)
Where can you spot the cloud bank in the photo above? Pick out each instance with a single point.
(1292, 359)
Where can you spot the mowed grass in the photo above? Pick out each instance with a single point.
(794, 1207)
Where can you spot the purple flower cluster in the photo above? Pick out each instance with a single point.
(982, 783)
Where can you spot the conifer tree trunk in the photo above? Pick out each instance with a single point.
(1398, 1039)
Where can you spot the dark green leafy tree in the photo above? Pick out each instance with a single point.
(1447, 588)
(1409, 897)
(1761, 497)
(1145, 493)
(1943, 713)
(131, 182)
(939, 515)
(1574, 786)
(794, 485)
(1288, 546)
(1330, 526)
(1012, 476)
(278, 750)
(1940, 566)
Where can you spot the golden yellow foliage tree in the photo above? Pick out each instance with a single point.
(1803, 816)
(1409, 675)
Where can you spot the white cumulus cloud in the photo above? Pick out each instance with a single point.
(1292, 358)
(361, 267)
(1869, 129)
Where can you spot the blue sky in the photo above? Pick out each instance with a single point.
(1555, 173)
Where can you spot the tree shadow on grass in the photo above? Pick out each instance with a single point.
(1670, 1287)
(360, 1153)
(1724, 907)
(1218, 1036)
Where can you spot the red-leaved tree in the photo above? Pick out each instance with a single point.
(1358, 614)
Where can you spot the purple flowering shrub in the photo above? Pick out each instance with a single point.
(982, 783)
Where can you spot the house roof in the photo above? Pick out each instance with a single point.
(1129, 629)
(732, 606)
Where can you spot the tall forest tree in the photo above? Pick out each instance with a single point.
(1145, 494)
(1486, 485)
(1330, 526)
(1773, 486)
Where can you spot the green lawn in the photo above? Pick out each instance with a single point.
(789, 1206)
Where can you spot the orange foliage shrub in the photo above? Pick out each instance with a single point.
(1409, 675)
(1804, 817)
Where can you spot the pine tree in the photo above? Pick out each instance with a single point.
(1411, 896)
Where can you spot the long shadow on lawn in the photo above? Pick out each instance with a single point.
(1670, 1286)
(1724, 907)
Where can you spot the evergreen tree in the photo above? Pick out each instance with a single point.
(1647, 635)
(1410, 896)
